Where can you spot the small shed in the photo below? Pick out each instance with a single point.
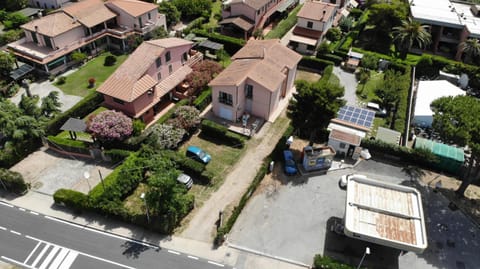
(353, 60)
(317, 158)
(450, 158)
(74, 125)
(388, 135)
(344, 143)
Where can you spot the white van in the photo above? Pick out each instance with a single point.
(379, 112)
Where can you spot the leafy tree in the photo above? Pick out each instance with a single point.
(334, 34)
(171, 12)
(456, 120)
(10, 36)
(193, 8)
(203, 73)
(389, 91)
(50, 104)
(383, 16)
(29, 106)
(14, 20)
(12, 181)
(323, 48)
(6, 63)
(313, 106)
(110, 125)
(165, 136)
(369, 61)
(346, 23)
(158, 33)
(78, 56)
(17, 126)
(470, 48)
(168, 199)
(408, 34)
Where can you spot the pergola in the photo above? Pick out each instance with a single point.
(74, 125)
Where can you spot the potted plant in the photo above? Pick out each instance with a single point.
(91, 82)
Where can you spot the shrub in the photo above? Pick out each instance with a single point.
(61, 80)
(195, 24)
(70, 198)
(186, 117)
(118, 155)
(334, 34)
(314, 63)
(330, 57)
(88, 104)
(78, 56)
(221, 133)
(110, 125)
(13, 181)
(369, 61)
(203, 100)
(321, 262)
(170, 112)
(165, 136)
(138, 126)
(203, 72)
(70, 145)
(110, 60)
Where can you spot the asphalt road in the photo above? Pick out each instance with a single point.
(32, 240)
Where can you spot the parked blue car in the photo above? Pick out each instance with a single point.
(290, 167)
(198, 154)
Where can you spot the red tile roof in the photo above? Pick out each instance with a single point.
(317, 11)
(89, 12)
(52, 25)
(133, 7)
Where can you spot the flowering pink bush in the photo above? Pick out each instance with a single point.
(110, 125)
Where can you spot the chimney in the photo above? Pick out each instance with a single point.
(36, 28)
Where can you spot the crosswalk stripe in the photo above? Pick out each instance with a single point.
(72, 255)
(49, 257)
(31, 253)
(39, 257)
(59, 259)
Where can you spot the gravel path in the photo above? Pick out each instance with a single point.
(202, 226)
(350, 83)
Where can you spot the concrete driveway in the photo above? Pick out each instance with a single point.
(42, 89)
(48, 171)
(293, 221)
(347, 80)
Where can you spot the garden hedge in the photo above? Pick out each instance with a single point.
(69, 145)
(88, 104)
(231, 45)
(217, 131)
(12, 181)
(11, 156)
(330, 57)
(321, 262)
(72, 199)
(203, 100)
(118, 155)
(314, 63)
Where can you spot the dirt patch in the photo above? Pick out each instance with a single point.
(308, 76)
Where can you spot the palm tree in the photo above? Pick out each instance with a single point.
(471, 48)
(410, 33)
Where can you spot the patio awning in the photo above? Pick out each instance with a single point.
(303, 40)
(239, 22)
(285, 5)
(74, 125)
(21, 71)
(211, 45)
(173, 80)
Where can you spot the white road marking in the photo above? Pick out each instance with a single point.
(39, 257)
(34, 213)
(68, 261)
(3, 228)
(49, 258)
(21, 209)
(193, 257)
(5, 204)
(15, 232)
(16, 262)
(31, 253)
(217, 264)
(59, 259)
(77, 253)
(174, 252)
(103, 233)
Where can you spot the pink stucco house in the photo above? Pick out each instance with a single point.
(258, 82)
(248, 15)
(314, 20)
(142, 86)
(86, 26)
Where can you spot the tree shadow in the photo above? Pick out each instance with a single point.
(414, 172)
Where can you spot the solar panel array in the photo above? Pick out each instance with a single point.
(359, 116)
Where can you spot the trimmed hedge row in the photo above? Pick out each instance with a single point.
(70, 145)
(12, 181)
(314, 63)
(330, 57)
(118, 155)
(231, 44)
(72, 199)
(220, 132)
(419, 157)
(203, 100)
(88, 104)
(276, 155)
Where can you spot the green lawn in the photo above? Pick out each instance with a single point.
(77, 82)
(285, 25)
(83, 136)
(133, 203)
(366, 91)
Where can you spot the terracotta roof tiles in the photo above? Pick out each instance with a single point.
(317, 11)
(52, 25)
(133, 7)
(89, 12)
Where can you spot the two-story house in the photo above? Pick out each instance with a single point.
(258, 82)
(249, 15)
(142, 86)
(314, 20)
(450, 23)
(86, 26)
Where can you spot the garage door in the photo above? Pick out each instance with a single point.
(226, 113)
